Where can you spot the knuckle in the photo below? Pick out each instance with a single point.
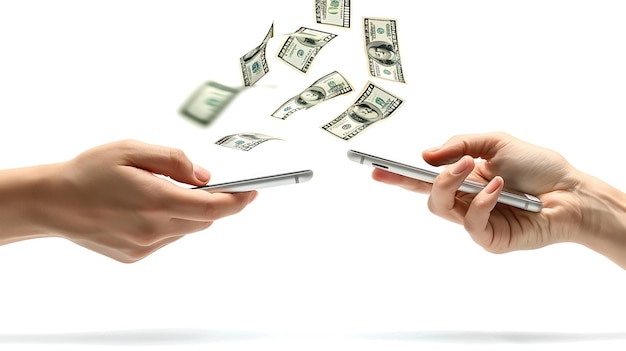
(135, 255)
(129, 254)
(212, 212)
(482, 203)
(126, 144)
(431, 206)
(144, 234)
(470, 227)
(179, 160)
(494, 249)
(127, 259)
(502, 135)
(177, 155)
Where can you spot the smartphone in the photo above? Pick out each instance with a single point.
(259, 182)
(509, 197)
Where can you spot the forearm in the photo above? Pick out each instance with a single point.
(603, 219)
(21, 202)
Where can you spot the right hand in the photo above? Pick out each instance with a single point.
(525, 167)
(109, 200)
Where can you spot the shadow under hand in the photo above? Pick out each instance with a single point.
(144, 337)
(133, 337)
(500, 337)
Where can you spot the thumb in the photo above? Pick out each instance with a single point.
(167, 161)
(476, 145)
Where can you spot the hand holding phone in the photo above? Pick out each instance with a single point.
(259, 182)
(510, 197)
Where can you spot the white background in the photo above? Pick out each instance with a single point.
(340, 262)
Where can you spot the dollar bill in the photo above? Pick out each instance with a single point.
(300, 48)
(244, 141)
(333, 12)
(254, 63)
(325, 88)
(381, 47)
(208, 101)
(373, 105)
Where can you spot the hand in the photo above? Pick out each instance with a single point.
(109, 200)
(525, 167)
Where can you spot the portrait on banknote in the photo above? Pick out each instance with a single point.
(301, 47)
(311, 96)
(364, 112)
(325, 88)
(382, 52)
(373, 105)
(311, 40)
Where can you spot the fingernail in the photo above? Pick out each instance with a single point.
(253, 196)
(493, 185)
(459, 167)
(201, 173)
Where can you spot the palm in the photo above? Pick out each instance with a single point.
(535, 170)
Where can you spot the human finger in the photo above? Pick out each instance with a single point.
(476, 145)
(478, 214)
(443, 196)
(200, 205)
(401, 181)
(171, 162)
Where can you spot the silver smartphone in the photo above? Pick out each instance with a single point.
(238, 186)
(509, 197)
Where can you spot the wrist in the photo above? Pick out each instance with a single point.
(603, 225)
(22, 202)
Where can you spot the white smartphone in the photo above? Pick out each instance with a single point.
(509, 197)
(238, 186)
